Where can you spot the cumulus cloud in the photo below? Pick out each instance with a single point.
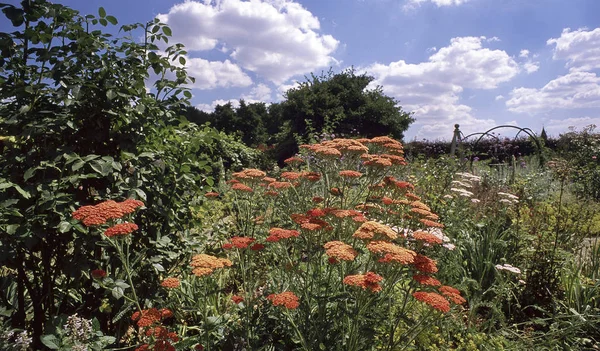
(524, 53)
(580, 48)
(216, 74)
(432, 89)
(277, 39)
(211, 107)
(574, 90)
(499, 97)
(439, 3)
(531, 66)
(559, 126)
(259, 93)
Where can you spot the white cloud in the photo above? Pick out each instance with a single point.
(260, 93)
(277, 39)
(499, 97)
(531, 66)
(432, 89)
(580, 48)
(211, 107)
(559, 126)
(524, 53)
(439, 3)
(216, 74)
(573, 90)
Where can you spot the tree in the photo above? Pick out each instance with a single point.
(338, 104)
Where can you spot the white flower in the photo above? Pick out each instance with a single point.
(507, 267)
(510, 196)
(448, 196)
(449, 246)
(463, 184)
(475, 201)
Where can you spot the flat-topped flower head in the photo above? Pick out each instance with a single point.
(350, 174)
(286, 299)
(293, 160)
(368, 281)
(425, 264)
(170, 283)
(452, 293)
(340, 251)
(277, 234)
(99, 214)
(249, 173)
(426, 237)
(374, 230)
(204, 264)
(434, 300)
(241, 187)
(121, 229)
(426, 280)
(238, 242)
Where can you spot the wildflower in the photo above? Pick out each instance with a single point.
(312, 176)
(376, 160)
(507, 267)
(276, 234)
(280, 185)
(340, 250)
(102, 212)
(317, 199)
(241, 187)
(293, 160)
(120, 229)
(257, 247)
(249, 173)
(434, 300)
(211, 194)
(147, 317)
(204, 264)
(370, 229)
(420, 211)
(237, 299)
(240, 242)
(268, 179)
(426, 280)
(170, 283)
(453, 294)
(271, 193)
(391, 252)
(425, 264)
(426, 237)
(350, 174)
(475, 201)
(315, 212)
(430, 223)
(368, 280)
(332, 260)
(287, 299)
(335, 191)
(290, 175)
(98, 273)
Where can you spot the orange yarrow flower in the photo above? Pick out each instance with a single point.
(121, 229)
(211, 194)
(371, 229)
(425, 264)
(241, 187)
(368, 280)
(434, 300)
(426, 237)
(204, 264)
(170, 283)
(426, 280)
(452, 293)
(239, 242)
(287, 299)
(98, 214)
(340, 250)
(391, 252)
(276, 234)
(237, 299)
(350, 174)
(249, 173)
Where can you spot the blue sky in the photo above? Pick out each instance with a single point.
(479, 63)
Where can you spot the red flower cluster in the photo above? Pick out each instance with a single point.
(237, 299)
(238, 242)
(102, 212)
(434, 300)
(121, 229)
(276, 234)
(170, 283)
(368, 280)
(453, 294)
(150, 316)
(98, 273)
(287, 299)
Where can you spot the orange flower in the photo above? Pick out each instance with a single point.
(241, 187)
(371, 229)
(430, 223)
(257, 247)
(269, 179)
(290, 175)
(453, 294)
(426, 237)
(376, 160)
(350, 174)
(239, 242)
(420, 211)
(419, 204)
(276, 234)
(368, 280)
(205, 264)
(271, 193)
(237, 299)
(287, 299)
(170, 283)
(280, 185)
(426, 280)
(147, 317)
(120, 229)
(249, 173)
(312, 176)
(425, 264)
(434, 300)
(326, 151)
(102, 212)
(211, 194)
(394, 159)
(392, 252)
(384, 140)
(293, 160)
(340, 250)
(317, 199)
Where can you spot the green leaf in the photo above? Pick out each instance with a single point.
(117, 292)
(64, 227)
(110, 94)
(167, 31)
(77, 165)
(11, 229)
(182, 60)
(103, 21)
(50, 341)
(101, 12)
(187, 94)
(29, 173)
(112, 20)
(23, 193)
